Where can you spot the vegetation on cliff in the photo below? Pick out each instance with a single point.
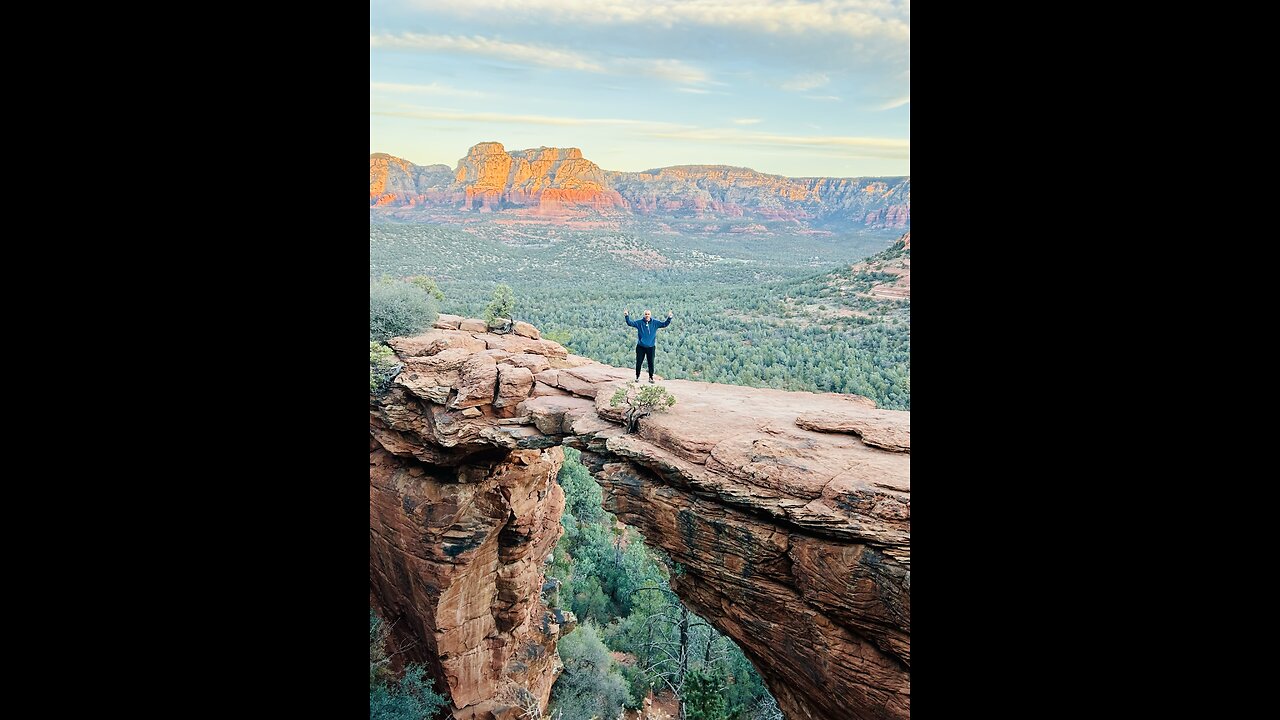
(399, 308)
(502, 306)
(641, 400)
(634, 635)
(407, 697)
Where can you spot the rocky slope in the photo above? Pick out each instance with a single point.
(789, 512)
(891, 267)
(555, 181)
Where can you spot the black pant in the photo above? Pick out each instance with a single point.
(643, 352)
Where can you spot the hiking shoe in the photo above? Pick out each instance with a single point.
(650, 379)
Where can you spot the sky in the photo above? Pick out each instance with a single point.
(786, 87)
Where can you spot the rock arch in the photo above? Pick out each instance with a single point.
(790, 512)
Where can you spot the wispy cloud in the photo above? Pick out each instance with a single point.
(695, 91)
(823, 97)
(438, 114)
(746, 121)
(854, 18)
(675, 71)
(487, 47)
(807, 81)
(430, 89)
(896, 102)
(872, 146)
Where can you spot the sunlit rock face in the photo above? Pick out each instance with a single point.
(560, 181)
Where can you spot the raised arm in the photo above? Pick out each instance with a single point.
(666, 322)
(626, 317)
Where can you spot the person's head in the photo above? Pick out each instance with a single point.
(647, 314)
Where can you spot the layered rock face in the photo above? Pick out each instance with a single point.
(455, 562)
(551, 181)
(789, 514)
(393, 181)
(724, 191)
(546, 180)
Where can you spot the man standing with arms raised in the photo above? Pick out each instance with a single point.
(647, 331)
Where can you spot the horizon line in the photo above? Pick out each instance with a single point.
(637, 172)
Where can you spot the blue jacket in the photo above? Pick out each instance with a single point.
(648, 331)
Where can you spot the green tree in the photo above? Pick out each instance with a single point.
(641, 401)
(428, 285)
(502, 306)
(398, 308)
(591, 685)
(702, 697)
(410, 697)
(582, 495)
(616, 583)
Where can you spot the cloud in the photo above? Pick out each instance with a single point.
(822, 97)
(807, 81)
(676, 71)
(746, 121)
(487, 47)
(887, 19)
(431, 89)
(695, 91)
(896, 102)
(860, 146)
(439, 114)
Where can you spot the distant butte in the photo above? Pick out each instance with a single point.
(557, 182)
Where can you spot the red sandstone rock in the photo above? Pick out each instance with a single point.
(789, 512)
(535, 363)
(448, 322)
(434, 341)
(453, 558)
(876, 427)
(560, 182)
(514, 384)
(476, 381)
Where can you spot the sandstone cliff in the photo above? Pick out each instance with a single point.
(550, 181)
(545, 180)
(718, 190)
(394, 181)
(790, 513)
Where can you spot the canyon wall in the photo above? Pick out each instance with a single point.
(557, 181)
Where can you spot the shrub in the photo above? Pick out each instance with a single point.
(383, 367)
(502, 306)
(591, 685)
(412, 698)
(398, 308)
(409, 698)
(641, 401)
(428, 285)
